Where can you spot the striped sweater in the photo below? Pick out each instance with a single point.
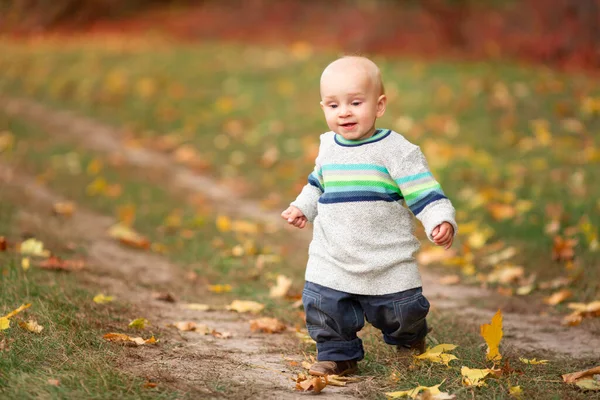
(358, 197)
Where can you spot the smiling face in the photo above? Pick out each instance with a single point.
(352, 97)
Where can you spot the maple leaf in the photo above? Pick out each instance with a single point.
(267, 325)
(245, 306)
(562, 249)
(315, 384)
(438, 354)
(432, 392)
(475, 377)
(492, 334)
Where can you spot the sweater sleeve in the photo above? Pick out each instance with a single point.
(422, 193)
(309, 196)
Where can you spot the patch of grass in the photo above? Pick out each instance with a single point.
(70, 348)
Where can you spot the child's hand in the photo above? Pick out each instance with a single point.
(294, 216)
(443, 235)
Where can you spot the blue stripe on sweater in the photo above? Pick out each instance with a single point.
(418, 206)
(347, 197)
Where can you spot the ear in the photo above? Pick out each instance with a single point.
(322, 106)
(381, 105)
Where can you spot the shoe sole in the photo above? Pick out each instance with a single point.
(343, 373)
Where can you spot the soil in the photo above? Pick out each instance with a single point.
(256, 361)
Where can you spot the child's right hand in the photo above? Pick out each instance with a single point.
(294, 216)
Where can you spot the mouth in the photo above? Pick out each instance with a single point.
(348, 125)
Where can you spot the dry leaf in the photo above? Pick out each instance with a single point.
(267, 325)
(189, 326)
(18, 310)
(515, 391)
(492, 334)
(128, 236)
(563, 249)
(449, 280)
(150, 385)
(506, 274)
(31, 326)
(3, 243)
(438, 354)
(56, 264)
(126, 339)
(53, 382)
(4, 323)
(164, 296)
(102, 299)
(25, 263)
(588, 384)
(431, 392)
(574, 376)
(315, 384)
(500, 211)
(533, 361)
(226, 288)
(558, 297)
(434, 255)
(281, 288)
(245, 306)
(475, 377)
(139, 323)
(196, 306)
(33, 247)
(64, 208)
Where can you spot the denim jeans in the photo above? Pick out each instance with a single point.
(333, 318)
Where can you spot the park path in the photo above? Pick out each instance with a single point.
(524, 327)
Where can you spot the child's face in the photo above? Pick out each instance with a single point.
(351, 99)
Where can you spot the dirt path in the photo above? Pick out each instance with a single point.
(252, 365)
(524, 327)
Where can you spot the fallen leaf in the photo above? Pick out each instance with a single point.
(438, 354)
(431, 392)
(315, 384)
(189, 326)
(475, 377)
(245, 306)
(515, 391)
(63, 208)
(574, 376)
(500, 211)
(3, 243)
(53, 382)
(267, 325)
(126, 339)
(563, 249)
(102, 299)
(558, 297)
(281, 288)
(4, 323)
(533, 361)
(502, 255)
(56, 264)
(221, 335)
(492, 334)
(196, 306)
(138, 323)
(434, 255)
(582, 310)
(150, 385)
(128, 236)
(31, 326)
(506, 274)
(33, 247)
(588, 384)
(25, 263)
(226, 288)
(18, 310)
(164, 296)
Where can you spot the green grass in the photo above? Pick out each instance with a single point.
(70, 348)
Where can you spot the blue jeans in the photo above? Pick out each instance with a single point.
(333, 318)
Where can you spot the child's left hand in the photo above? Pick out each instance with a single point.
(443, 235)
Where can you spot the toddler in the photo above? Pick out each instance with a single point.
(361, 259)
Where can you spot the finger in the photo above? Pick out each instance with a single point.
(435, 231)
(449, 243)
(302, 224)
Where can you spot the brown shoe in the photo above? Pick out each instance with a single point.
(340, 368)
(416, 348)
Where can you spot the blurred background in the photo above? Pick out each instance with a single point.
(501, 95)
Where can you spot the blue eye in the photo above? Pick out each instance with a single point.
(333, 105)
(356, 103)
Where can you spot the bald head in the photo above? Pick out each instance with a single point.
(355, 67)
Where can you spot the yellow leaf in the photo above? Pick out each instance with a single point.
(196, 307)
(34, 247)
(281, 288)
(245, 306)
(220, 288)
(128, 236)
(102, 299)
(533, 361)
(433, 391)
(492, 333)
(189, 326)
(4, 323)
(31, 326)
(18, 310)
(64, 208)
(572, 377)
(438, 354)
(223, 223)
(588, 384)
(474, 377)
(94, 167)
(139, 323)
(25, 264)
(97, 187)
(515, 391)
(125, 339)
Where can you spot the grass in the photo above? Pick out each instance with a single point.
(70, 348)
(234, 105)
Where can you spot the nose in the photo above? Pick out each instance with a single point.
(344, 111)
